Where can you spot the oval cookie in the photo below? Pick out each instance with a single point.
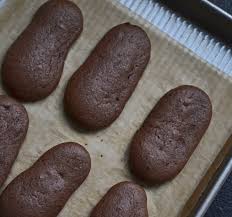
(43, 189)
(163, 145)
(34, 63)
(124, 199)
(13, 129)
(98, 91)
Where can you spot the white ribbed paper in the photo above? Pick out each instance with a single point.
(192, 37)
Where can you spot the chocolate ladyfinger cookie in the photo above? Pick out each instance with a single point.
(163, 145)
(43, 189)
(125, 200)
(34, 63)
(13, 129)
(98, 91)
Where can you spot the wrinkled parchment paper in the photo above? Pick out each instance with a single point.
(170, 66)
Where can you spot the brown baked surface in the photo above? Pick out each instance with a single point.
(34, 63)
(125, 199)
(13, 129)
(43, 189)
(98, 91)
(169, 135)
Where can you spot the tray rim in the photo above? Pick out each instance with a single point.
(205, 184)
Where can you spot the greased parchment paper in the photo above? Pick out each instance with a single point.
(170, 66)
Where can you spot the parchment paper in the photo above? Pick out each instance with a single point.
(169, 67)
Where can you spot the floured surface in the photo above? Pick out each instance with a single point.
(169, 67)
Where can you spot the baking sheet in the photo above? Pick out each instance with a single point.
(170, 66)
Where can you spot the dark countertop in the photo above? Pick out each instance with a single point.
(222, 204)
(224, 4)
(206, 15)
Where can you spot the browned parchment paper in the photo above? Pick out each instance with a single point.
(169, 67)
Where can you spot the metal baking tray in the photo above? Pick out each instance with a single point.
(214, 187)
